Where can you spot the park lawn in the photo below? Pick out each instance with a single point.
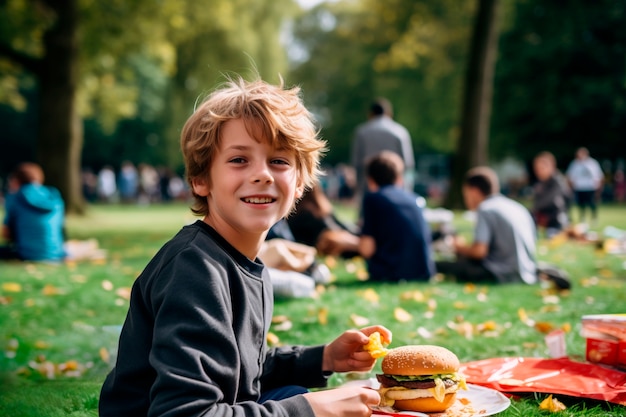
(59, 323)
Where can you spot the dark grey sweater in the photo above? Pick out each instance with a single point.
(193, 343)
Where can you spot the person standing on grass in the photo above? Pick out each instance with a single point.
(551, 195)
(503, 250)
(395, 238)
(194, 340)
(380, 133)
(34, 217)
(586, 178)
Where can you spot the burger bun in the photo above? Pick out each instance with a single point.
(426, 404)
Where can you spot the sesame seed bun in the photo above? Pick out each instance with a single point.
(419, 360)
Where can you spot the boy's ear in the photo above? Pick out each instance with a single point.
(200, 186)
(299, 189)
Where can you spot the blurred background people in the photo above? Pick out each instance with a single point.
(314, 223)
(395, 238)
(34, 217)
(381, 133)
(503, 250)
(551, 195)
(586, 178)
(107, 186)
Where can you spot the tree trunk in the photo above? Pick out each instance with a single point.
(60, 135)
(472, 148)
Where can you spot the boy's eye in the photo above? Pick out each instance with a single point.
(237, 160)
(280, 162)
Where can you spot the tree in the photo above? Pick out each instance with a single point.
(60, 135)
(88, 60)
(560, 80)
(405, 50)
(472, 149)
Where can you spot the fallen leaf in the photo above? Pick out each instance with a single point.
(322, 316)
(552, 404)
(50, 289)
(107, 285)
(371, 296)
(104, 355)
(359, 321)
(544, 326)
(272, 339)
(123, 292)
(11, 287)
(402, 315)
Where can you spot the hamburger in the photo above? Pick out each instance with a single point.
(420, 378)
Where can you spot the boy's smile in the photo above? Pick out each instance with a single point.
(251, 186)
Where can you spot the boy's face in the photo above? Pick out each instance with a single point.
(472, 197)
(252, 185)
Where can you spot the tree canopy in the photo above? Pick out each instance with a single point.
(141, 66)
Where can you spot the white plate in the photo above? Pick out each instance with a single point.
(476, 401)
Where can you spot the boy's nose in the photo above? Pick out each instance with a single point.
(263, 175)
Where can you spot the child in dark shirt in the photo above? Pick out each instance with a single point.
(193, 343)
(395, 238)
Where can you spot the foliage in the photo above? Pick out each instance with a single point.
(356, 51)
(63, 320)
(142, 66)
(560, 80)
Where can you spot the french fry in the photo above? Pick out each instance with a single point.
(375, 346)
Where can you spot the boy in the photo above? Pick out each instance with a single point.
(503, 250)
(395, 238)
(34, 217)
(193, 343)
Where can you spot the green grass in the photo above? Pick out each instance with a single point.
(67, 316)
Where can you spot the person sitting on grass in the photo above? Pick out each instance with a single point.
(34, 217)
(503, 250)
(395, 238)
(194, 340)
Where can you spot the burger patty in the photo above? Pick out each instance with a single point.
(389, 382)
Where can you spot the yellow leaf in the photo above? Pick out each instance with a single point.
(40, 344)
(371, 296)
(322, 316)
(107, 285)
(123, 292)
(402, 315)
(11, 287)
(566, 327)
(552, 404)
(50, 289)
(359, 321)
(469, 288)
(459, 305)
(104, 355)
(272, 339)
(544, 327)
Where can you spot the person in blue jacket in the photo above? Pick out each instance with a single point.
(34, 217)
(395, 238)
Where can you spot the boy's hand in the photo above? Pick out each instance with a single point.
(346, 353)
(347, 402)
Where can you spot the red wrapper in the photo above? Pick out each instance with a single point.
(550, 376)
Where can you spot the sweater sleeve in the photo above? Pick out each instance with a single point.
(299, 365)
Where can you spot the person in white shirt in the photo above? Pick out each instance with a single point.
(586, 178)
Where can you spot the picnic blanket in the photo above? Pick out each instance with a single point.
(551, 376)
